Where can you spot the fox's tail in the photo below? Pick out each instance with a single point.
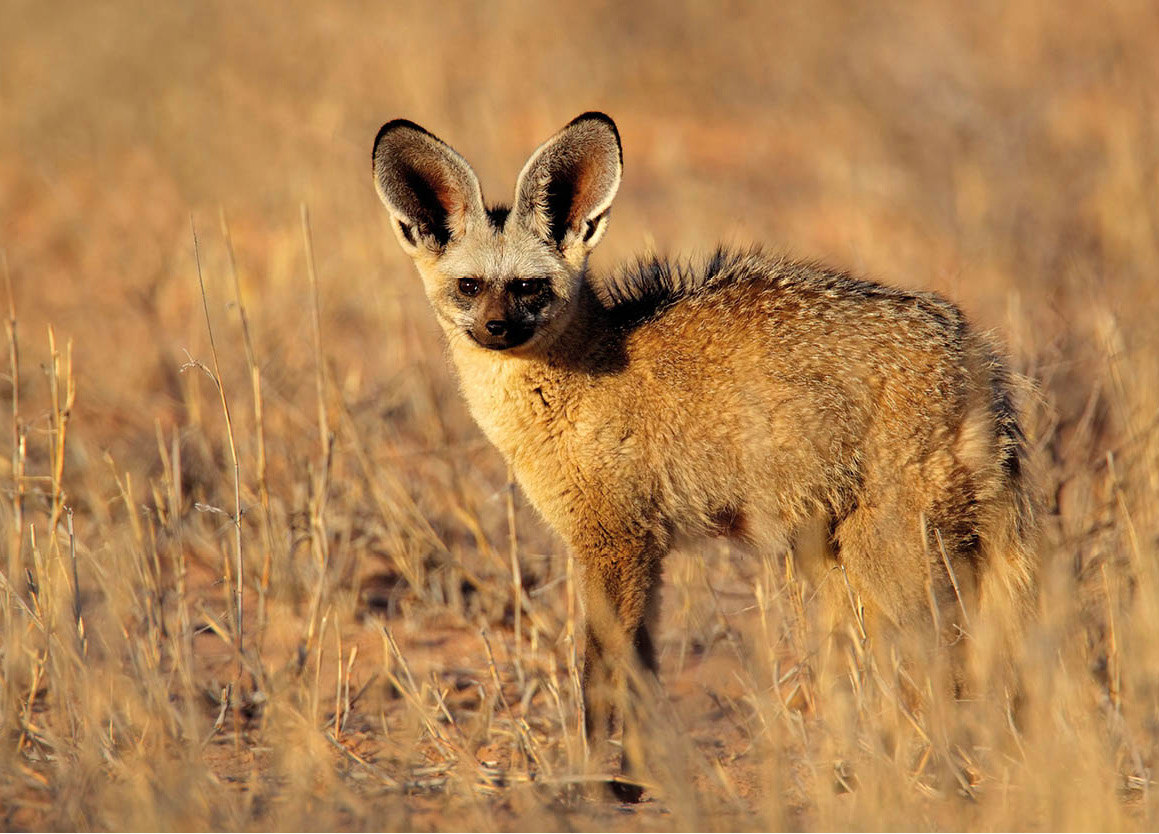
(1008, 587)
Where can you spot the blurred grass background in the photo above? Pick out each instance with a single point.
(1004, 154)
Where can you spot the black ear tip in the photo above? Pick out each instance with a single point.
(397, 124)
(394, 125)
(602, 118)
(595, 116)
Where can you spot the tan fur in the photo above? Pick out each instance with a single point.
(752, 396)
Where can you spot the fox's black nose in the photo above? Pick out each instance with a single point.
(496, 328)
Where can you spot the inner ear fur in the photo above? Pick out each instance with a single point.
(430, 191)
(567, 186)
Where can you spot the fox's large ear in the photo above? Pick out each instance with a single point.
(566, 188)
(431, 192)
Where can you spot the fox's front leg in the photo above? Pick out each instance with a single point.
(621, 583)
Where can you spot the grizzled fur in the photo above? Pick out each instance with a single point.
(751, 396)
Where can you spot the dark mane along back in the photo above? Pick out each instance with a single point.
(645, 289)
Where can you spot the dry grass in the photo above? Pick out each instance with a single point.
(408, 658)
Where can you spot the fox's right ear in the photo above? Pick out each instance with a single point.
(431, 192)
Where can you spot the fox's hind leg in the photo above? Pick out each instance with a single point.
(828, 605)
(621, 598)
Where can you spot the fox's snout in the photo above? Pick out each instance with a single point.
(501, 334)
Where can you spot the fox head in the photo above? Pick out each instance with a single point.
(502, 278)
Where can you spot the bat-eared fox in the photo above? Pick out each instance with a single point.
(748, 396)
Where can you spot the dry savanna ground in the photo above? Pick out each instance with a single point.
(408, 635)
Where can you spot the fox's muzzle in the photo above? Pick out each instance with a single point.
(500, 334)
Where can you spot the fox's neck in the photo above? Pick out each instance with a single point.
(581, 334)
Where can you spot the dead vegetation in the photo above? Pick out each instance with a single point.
(307, 597)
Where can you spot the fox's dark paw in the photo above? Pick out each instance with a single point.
(626, 791)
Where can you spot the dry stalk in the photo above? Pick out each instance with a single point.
(16, 533)
(36, 576)
(338, 679)
(219, 722)
(516, 575)
(125, 487)
(441, 703)
(452, 749)
(78, 618)
(411, 570)
(953, 577)
(319, 485)
(171, 481)
(320, 482)
(347, 703)
(1135, 552)
(61, 410)
(319, 368)
(409, 690)
(372, 769)
(575, 753)
(13, 597)
(29, 703)
(1114, 687)
(315, 689)
(522, 731)
(222, 632)
(798, 627)
(573, 666)
(259, 424)
(239, 621)
(856, 607)
(931, 597)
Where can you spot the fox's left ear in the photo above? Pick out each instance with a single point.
(565, 190)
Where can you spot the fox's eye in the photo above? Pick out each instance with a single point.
(526, 287)
(468, 286)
